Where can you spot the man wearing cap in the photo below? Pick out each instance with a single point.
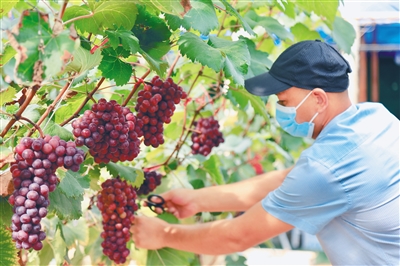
(344, 188)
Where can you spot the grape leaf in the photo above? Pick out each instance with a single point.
(169, 7)
(327, 9)
(75, 230)
(7, 95)
(72, 184)
(271, 25)
(168, 256)
(106, 14)
(59, 247)
(236, 57)
(202, 16)
(83, 60)
(212, 166)
(124, 37)
(6, 211)
(133, 176)
(175, 22)
(114, 68)
(54, 129)
(301, 33)
(65, 207)
(155, 64)
(9, 252)
(195, 49)
(69, 108)
(242, 98)
(232, 11)
(343, 34)
(6, 6)
(152, 32)
(259, 61)
(46, 46)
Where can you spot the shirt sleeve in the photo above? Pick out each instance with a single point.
(309, 198)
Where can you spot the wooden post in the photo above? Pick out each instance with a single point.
(362, 74)
(374, 71)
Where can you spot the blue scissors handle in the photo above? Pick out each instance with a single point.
(153, 205)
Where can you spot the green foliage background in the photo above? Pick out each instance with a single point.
(94, 49)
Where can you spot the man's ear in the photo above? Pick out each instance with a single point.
(321, 98)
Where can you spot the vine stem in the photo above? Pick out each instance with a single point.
(88, 97)
(195, 79)
(51, 106)
(64, 6)
(35, 126)
(171, 69)
(135, 87)
(20, 110)
(78, 18)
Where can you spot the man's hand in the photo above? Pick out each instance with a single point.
(147, 232)
(180, 202)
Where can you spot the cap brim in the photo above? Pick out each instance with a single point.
(264, 85)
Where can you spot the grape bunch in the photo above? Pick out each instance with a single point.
(155, 106)
(109, 131)
(206, 136)
(116, 202)
(33, 172)
(152, 179)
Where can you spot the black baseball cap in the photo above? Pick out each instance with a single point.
(307, 65)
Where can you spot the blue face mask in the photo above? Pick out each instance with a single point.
(286, 117)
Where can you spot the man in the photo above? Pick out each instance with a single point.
(344, 188)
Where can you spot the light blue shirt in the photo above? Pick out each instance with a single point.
(345, 188)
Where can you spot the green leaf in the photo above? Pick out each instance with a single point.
(236, 55)
(70, 185)
(235, 260)
(7, 95)
(46, 255)
(124, 37)
(271, 25)
(76, 230)
(259, 61)
(54, 129)
(175, 22)
(301, 33)
(69, 108)
(173, 130)
(212, 166)
(6, 212)
(7, 55)
(59, 248)
(166, 6)
(232, 11)
(133, 176)
(53, 46)
(202, 16)
(326, 9)
(106, 15)
(236, 144)
(157, 65)
(195, 49)
(65, 207)
(288, 8)
(168, 256)
(6, 6)
(197, 183)
(114, 68)
(83, 60)
(9, 253)
(343, 34)
(242, 98)
(168, 217)
(152, 32)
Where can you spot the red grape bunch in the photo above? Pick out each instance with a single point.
(206, 136)
(109, 131)
(155, 106)
(116, 202)
(152, 179)
(33, 172)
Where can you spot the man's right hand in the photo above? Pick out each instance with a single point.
(180, 202)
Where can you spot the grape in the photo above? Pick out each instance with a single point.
(155, 106)
(108, 130)
(34, 177)
(206, 136)
(152, 179)
(116, 202)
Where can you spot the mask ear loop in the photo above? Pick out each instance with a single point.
(305, 98)
(312, 119)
